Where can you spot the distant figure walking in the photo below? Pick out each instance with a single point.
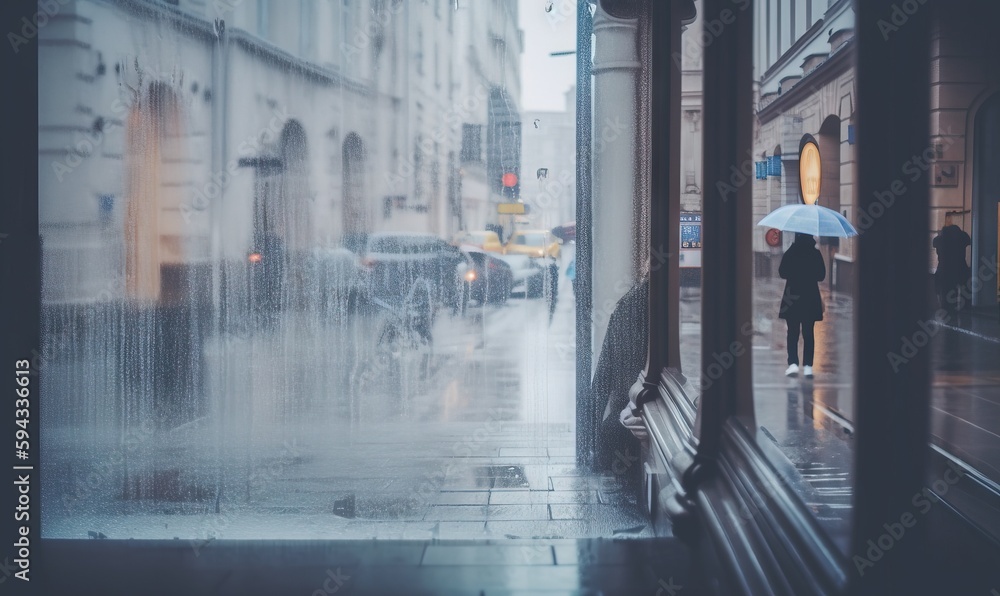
(953, 271)
(801, 306)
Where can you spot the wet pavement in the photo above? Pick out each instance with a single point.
(316, 432)
(805, 426)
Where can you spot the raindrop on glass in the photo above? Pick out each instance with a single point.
(548, 6)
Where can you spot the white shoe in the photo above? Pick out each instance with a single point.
(807, 372)
(792, 370)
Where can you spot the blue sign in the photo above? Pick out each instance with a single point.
(691, 236)
(760, 170)
(774, 166)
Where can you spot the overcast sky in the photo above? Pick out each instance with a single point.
(545, 79)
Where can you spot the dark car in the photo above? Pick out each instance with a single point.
(407, 268)
(486, 278)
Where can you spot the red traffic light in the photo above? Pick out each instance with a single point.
(509, 180)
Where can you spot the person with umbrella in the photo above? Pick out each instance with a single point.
(802, 268)
(801, 306)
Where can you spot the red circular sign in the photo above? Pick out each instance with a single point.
(509, 180)
(773, 237)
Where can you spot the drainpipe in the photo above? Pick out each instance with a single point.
(219, 73)
(585, 415)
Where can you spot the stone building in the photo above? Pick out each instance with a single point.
(178, 133)
(806, 68)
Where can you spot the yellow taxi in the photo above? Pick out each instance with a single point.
(533, 243)
(481, 239)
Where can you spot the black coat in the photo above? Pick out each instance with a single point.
(622, 356)
(802, 265)
(952, 269)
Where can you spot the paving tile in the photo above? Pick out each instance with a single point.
(461, 498)
(576, 483)
(460, 529)
(577, 511)
(542, 529)
(530, 452)
(456, 513)
(518, 497)
(518, 512)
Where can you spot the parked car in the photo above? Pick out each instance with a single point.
(482, 239)
(532, 275)
(486, 279)
(399, 267)
(533, 243)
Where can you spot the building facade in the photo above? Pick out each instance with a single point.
(178, 133)
(805, 59)
(549, 158)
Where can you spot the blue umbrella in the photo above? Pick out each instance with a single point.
(809, 219)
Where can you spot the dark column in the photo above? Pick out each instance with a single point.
(891, 399)
(586, 424)
(726, 225)
(663, 346)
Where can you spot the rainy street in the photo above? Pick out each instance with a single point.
(471, 436)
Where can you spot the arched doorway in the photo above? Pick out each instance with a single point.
(292, 204)
(355, 212)
(985, 197)
(153, 119)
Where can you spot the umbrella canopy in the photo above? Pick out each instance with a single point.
(565, 232)
(809, 219)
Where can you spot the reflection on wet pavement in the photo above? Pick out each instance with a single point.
(807, 424)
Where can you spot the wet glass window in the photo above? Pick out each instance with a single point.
(528, 239)
(254, 324)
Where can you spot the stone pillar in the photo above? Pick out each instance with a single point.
(616, 68)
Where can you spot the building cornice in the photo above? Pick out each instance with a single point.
(834, 66)
(792, 53)
(206, 29)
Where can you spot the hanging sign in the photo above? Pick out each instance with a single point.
(810, 172)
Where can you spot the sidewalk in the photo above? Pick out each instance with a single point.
(805, 427)
(981, 324)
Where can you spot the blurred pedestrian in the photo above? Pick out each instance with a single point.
(801, 306)
(953, 272)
